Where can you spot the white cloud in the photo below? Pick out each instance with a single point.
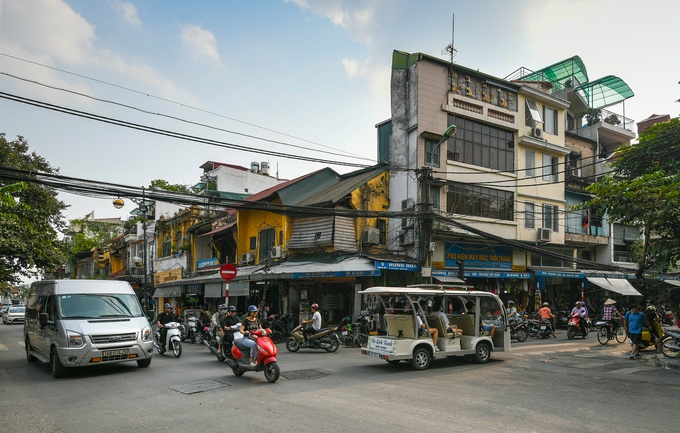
(200, 42)
(61, 37)
(352, 67)
(357, 20)
(128, 12)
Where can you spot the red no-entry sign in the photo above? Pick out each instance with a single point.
(228, 271)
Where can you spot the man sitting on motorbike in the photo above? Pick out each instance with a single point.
(580, 311)
(228, 320)
(546, 314)
(511, 311)
(163, 318)
(250, 324)
(316, 324)
(203, 318)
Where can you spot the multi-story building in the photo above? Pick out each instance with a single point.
(497, 185)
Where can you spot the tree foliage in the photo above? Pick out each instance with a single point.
(164, 184)
(28, 231)
(643, 190)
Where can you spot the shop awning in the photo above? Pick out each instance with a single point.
(219, 229)
(338, 267)
(168, 292)
(450, 280)
(618, 285)
(239, 288)
(214, 290)
(675, 283)
(623, 287)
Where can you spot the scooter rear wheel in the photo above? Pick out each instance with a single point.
(272, 372)
(521, 335)
(335, 344)
(570, 334)
(292, 345)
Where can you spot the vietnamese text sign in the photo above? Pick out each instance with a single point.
(478, 256)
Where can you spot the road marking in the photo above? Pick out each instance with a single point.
(3, 347)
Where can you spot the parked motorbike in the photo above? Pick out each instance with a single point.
(670, 346)
(239, 361)
(279, 325)
(647, 338)
(544, 329)
(325, 339)
(562, 319)
(172, 339)
(188, 330)
(362, 328)
(519, 329)
(574, 327)
(346, 331)
(209, 338)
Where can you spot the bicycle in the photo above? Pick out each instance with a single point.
(608, 331)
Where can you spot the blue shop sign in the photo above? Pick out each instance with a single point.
(336, 274)
(207, 262)
(559, 274)
(479, 256)
(396, 266)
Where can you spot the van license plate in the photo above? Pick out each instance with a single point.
(116, 352)
(344, 332)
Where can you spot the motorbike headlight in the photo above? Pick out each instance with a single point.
(146, 333)
(75, 339)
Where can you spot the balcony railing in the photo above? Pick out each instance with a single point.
(601, 115)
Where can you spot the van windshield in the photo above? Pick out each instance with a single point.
(91, 306)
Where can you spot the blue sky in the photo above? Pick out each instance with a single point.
(313, 74)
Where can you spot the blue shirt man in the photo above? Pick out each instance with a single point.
(633, 321)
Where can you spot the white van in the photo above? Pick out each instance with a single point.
(74, 323)
(477, 324)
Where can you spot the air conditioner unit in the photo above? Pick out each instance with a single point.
(544, 235)
(372, 236)
(276, 252)
(406, 238)
(575, 172)
(247, 258)
(537, 132)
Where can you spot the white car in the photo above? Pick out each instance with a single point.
(14, 314)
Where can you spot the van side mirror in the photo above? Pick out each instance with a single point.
(43, 319)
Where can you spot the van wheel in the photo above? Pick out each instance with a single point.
(483, 353)
(57, 368)
(421, 359)
(143, 363)
(29, 357)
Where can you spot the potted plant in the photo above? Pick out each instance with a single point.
(613, 119)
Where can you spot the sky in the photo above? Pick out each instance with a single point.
(309, 78)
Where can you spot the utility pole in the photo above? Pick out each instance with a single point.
(425, 179)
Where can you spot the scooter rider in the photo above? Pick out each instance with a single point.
(511, 312)
(163, 318)
(226, 333)
(580, 311)
(316, 324)
(203, 318)
(249, 324)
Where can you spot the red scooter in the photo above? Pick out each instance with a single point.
(239, 361)
(574, 328)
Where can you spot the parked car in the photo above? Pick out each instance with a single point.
(14, 314)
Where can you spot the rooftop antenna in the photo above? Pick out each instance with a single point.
(451, 49)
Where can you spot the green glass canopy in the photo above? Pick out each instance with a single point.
(561, 72)
(605, 91)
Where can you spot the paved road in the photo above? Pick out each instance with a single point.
(543, 385)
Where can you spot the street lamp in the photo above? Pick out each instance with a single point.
(118, 203)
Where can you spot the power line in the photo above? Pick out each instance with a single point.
(149, 95)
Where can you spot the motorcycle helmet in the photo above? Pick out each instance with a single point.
(651, 307)
(232, 308)
(315, 306)
(167, 306)
(545, 304)
(252, 309)
(511, 303)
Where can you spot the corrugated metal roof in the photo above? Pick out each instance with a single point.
(349, 183)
